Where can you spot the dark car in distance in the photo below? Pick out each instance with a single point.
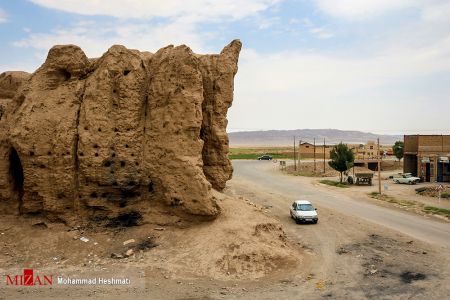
(265, 157)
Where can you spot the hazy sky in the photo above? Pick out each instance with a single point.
(371, 65)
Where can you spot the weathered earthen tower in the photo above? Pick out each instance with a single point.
(129, 133)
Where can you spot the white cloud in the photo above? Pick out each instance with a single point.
(3, 16)
(437, 13)
(96, 38)
(265, 23)
(199, 9)
(321, 33)
(361, 8)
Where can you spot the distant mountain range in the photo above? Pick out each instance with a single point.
(286, 137)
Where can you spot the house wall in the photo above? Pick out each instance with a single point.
(307, 151)
(411, 143)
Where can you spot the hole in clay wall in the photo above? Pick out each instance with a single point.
(126, 72)
(150, 187)
(42, 166)
(107, 163)
(31, 153)
(16, 175)
(122, 163)
(99, 130)
(96, 154)
(49, 153)
(66, 74)
(95, 146)
(93, 195)
(175, 202)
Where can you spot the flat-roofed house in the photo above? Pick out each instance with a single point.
(427, 157)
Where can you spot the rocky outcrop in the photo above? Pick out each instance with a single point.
(128, 134)
(218, 85)
(10, 83)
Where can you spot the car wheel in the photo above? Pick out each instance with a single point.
(315, 221)
(411, 182)
(297, 221)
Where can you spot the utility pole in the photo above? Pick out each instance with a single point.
(323, 155)
(299, 153)
(295, 162)
(314, 155)
(379, 167)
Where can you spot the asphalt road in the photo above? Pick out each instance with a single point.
(265, 175)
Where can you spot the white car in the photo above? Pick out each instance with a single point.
(303, 211)
(406, 178)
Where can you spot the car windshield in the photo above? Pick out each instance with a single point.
(305, 207)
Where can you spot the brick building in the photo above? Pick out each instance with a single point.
(307, 150)
(427, 156)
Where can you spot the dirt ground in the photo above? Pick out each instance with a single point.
(252, 251)
(243, 244)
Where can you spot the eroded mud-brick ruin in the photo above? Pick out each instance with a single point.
(128, 134)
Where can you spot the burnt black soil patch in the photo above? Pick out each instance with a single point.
(146, 245)
(389, 267)
(408, 277)
(125, 220)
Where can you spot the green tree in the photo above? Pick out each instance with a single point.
(342, 158)
(398, 149)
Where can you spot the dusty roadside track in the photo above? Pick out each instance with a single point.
(263, 174)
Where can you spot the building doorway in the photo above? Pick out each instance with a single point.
(427, 172)
(440, 172)
(16, 177)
